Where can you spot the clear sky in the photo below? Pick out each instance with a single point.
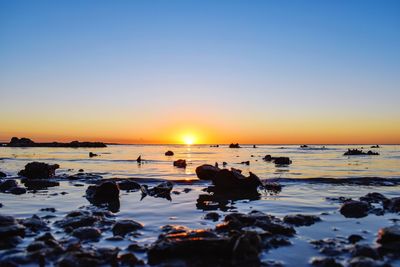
(219, 71)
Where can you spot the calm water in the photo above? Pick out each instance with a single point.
(120, 162)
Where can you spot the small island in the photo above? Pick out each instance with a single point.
(26, 142)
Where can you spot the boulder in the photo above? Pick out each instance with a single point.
(39, 170)
(301, 219)
(232, 180)
(7, 185)
(123, 227)
(91, 155)
(207, 172)
(162, 190)
(169, 153)
(3, 175)
(128, 185)
(355, 209)
(38, 184)
(393, 204)
(18, 190)
(87, 233)
(180, 163)
(282, 161)
(234, 145)
(103, 193)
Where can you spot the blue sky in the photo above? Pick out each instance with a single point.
(127, 70)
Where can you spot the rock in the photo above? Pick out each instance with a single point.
(389, 238)
(139, 159)
(129, 259)
(393, 204)
(180, 163)
(77, 219)
(169, 153)
(87, 233)
(232, 181)
(373, 198)
(34, 224)
(364, 251)
(38, 184)
(245, 162)
(17, 190)
(77, 256)
(103, 193)
(48, 209)
(3, 175)
(23, 142)
(325, 262)
(91, 154)
(128, 185)
(301, 219)
(207, 172)
(7, 185)
(11, 232)
(376, 146)
(267, 158)
(272, 187)
(357, 152)
(354, 209)
(213, 216)
(282, 161)
(162, 190)
(123, 227)
(26, 142)
(364, 262)
(234, 145)
(354, 238)
(39, 170)
(304, 146)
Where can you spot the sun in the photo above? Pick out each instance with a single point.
(189, 139)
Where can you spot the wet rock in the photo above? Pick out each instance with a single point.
(282, 161)
(17, 190)
(7, 185)
(204, 247)
(389, 239)
(325, 262)
(76, 256)
(393, 204)
(232, 181)
(77, 219)
(364, 251)
(364, 262)
(234, 145)
(375, 146)
(267, 158)
(104, 193)
(245, 162)
(48, 209)
(87, 233)
(139, 159)
(35, 224)
(128, 185)
(38, 184)
(373, 198)
(212, 216)
(180, 163)
(330, 246)
(129, 259)
(354, 209)
(354, 238)
(301, 219)
(3, 175)
(207, 172)
(357, 152)
(39, 170)
(123, 227)
(169, 153)
(91, 155)
(272, 187)
(162, 190)
(11, 232)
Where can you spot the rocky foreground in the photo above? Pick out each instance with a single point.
(238, 239)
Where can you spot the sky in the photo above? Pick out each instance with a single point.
(263, 72)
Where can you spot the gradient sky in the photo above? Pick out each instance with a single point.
(222, 71)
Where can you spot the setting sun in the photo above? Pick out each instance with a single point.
(188, 139)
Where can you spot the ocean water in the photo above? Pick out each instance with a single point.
(300, 194)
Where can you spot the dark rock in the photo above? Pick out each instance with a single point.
(207, 172)
(80, 170)
(180, 163)
(128, 185)
(37, 184)
(354, 209)
(393, 204)
(169, 153)
(364, 251)
(39, 170)
(234, 145)
(304, 146)
(272, 187)
(139, 159)
(267, 158)
(301, 219)
(35, 224)
(373, 198)
(87, 233)
(325, 262)
(26, 142)
(162, 190)
(376, 146)
(123, 227)
(91, 154)
(8, 184)
(354, 238)
(364, 262)
(213, 216)
(77, 219)
(245, 162)
(282, 161)
(234, 182)
(76, 256)
(389, 239)
(17, 190)
(3, 175)
(48, 209)
(21, 142)
(357, 152)
(10, 232)
(129, 259)
(103, 193)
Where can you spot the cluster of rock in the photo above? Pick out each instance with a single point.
(362, 207)
(38, 175)
(357, 152)
(278, 160)
(234, 145)
(26, 142)
(11, 186)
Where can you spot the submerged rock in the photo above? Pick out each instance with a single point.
(278, 160)
(17, 190)
(87, 233)
(3, 175)
(213, 216)
(162, 190)
(301, 219)
(123, 227)
(37, 184)
(180, 163)
(39, 170)
(128, 185)
(354, 209)
(169, 153)
(357, 152)
(76, 219)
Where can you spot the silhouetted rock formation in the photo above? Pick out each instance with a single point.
(278, 160)
(39, 170)
(163, 190)
(180, 163)
(357, 152)
(104, 193)
(26, 142)
(234, 145)
(169, 153)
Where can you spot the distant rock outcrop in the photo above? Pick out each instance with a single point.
(357, 152)
(26, 142)
(234, 145)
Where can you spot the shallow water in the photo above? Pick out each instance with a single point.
(119, 161)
